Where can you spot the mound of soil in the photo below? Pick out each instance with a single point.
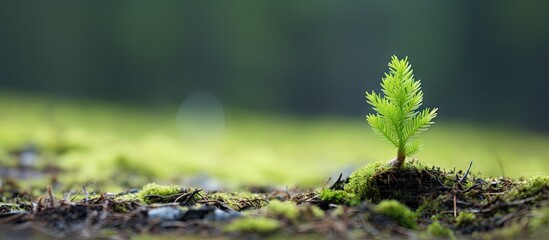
(411, 186)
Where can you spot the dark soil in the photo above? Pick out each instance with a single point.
(409, 186)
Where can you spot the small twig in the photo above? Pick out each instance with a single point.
(180, 196)
(338, 184)
(464, 178)
(307, 199)
(192, 195)
(469, 189)
(327, 181)
(288, 193)
(457, 186)
(83, 189)
(188, 196)
(464, 203)
(504, 219)
(52, 198)
(85, 194)
(441, 184)
(452, 211)
(494, 193)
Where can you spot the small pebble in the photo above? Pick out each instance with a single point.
(165, 213)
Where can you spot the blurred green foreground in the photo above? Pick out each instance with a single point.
(105, 142)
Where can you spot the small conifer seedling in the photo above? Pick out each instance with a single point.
(397, 118)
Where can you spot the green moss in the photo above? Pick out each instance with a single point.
(241, 200)
(338, 211)
(253, 225)
(438, 230)
(361, 181)
(156, 190)
(431, 206)
(226, 196)
(120, 207)
(127, 197)
(11, 207)
(286, 209)
(339, 197)
(529, 188)
(465, 218)
(316, 212)
(398, 212)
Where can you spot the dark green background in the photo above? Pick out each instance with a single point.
(481, 61)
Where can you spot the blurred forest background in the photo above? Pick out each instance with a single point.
(478, 60)
(288, 76)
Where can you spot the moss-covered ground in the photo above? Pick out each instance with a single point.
(96, 170)
(492, 208)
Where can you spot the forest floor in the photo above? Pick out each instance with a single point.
(432, 203)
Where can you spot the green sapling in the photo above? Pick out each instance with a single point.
(396, 118)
